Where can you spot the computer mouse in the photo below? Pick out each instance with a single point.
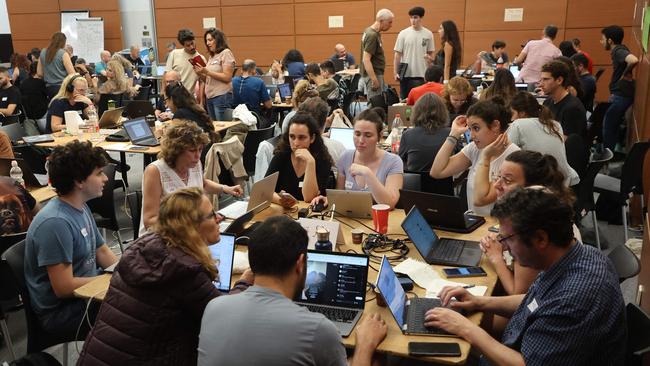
(318, 207)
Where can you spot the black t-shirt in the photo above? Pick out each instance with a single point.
(570, 113)
(418, 147)
(10, 95)
(287, 179)
(588, 83)
(58, 107)
(34, 97)
(619, 53)
(184, 113)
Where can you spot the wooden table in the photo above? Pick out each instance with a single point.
(43, 194)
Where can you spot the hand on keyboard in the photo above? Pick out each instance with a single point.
(449, 321)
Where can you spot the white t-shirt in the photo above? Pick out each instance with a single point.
(414, 45)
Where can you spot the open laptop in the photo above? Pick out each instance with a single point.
(338, 64)
(30, 179)
(514, 70)
(408, 313)
(404, 112)
(357, 204)
(111, 118)
(138, 108)
(223, 253)
(441, 211)
(140, 133)
(260, 198)
(437, 250)
(336, 287)
(343, 135)
(285, 91)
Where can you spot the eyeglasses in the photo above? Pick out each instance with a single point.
(502, 239)
(503, 179)
(210, 216)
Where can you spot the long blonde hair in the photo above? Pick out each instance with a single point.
(177, 224)
(63, 92)
(120, 81)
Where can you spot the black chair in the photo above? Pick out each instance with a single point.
(252, 142)
(625, 262)
(227, 114)
(34, 156)
(13, 119)
(9, 300)
(102, 105)
(638, 335)
(135, 208)
(15, 131)
(577, 154)
(104, 208)
(595, 130)
(412, 182)
(143, 93)
(431, 185)
(599, 73)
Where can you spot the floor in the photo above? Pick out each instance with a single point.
(611, 235)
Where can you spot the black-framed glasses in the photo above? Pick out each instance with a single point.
(502, 239)
(210, 216)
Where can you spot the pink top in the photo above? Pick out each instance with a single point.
(214, 87)
(538, 53)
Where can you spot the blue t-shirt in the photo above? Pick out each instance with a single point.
(59, 233)
(296, 69)
(99, 67)
(348, 58)
(250, 91)
(58, 107)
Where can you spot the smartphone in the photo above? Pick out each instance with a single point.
(494, 228)
(433, 349)
(468, 136)
(464, 272)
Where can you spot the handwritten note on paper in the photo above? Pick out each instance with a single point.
(421, 273)
(513, 15)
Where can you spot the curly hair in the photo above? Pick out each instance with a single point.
(491, 110)
(458, 86)
(430, 113)
(181, 136)
(293, 55)
(73, 162)
(317, 148)
(302, 92)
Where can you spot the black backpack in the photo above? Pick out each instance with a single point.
(36, 359)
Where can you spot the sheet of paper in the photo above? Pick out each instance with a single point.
(513, 15)
(335, 21)
(439, 283)
(421, 273)
(209, 23)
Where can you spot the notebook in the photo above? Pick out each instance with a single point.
(223, 253)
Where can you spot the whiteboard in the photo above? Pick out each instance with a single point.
(91, 39)
(69, 25)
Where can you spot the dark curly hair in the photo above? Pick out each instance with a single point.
(274, 247)
(317, 148)
(183, 99)
(73, 162)
(491, 110)
(293, 55)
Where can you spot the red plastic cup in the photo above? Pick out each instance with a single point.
(380, 217)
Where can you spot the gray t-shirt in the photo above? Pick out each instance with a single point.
(390, 164)
(53, 72)
(414, 45)
(263, 327)
(59, 233)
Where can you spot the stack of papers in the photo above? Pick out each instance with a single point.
(426, 277)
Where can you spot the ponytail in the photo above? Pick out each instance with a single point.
(541, 169)
(526, 104)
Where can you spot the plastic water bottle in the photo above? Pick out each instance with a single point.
(93, 121)
(16, 173)
(396, 133)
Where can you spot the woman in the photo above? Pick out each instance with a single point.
(20, 65)
(567, 49)
(533, 128)
(126, 65)
(184, 106)
(420, 144)
(301, 92)
(458, 95)
(153, 308)
(294, 63)
(487, 121)
(217, 73)
(503, 86)
(449, 55)
(303, 162)
(54, 64)
(33, 96)
(71, 97)
(117, 82)
(178, 166)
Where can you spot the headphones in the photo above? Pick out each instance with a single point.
(70, 87)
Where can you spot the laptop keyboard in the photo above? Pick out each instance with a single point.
(416, 312)
(333, 314)
(449, 249)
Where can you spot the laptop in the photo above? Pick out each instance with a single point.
(161, 70)
(271, 89)
(404, 112)
(343, 135)
(260, 198)
(442, 212)
(408, 313)
(514, 70)
(140, 133)
(357, 204)
(30, 179)
(138, 108)
(223, 253)
(335, 286)
(111, 118)
(285, 91)
(437, 250)
(38, 138)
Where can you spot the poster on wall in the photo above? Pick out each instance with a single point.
(91, 39)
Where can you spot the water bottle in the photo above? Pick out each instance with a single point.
(323, 240)
(16, 173)
(93, 121)
(111, 104)
(396, 133)
(154, 68)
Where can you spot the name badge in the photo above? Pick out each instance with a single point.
(300, 184)
(80, 112)
(348, 184)
(4, 99)
(84, 232)
(532, 306)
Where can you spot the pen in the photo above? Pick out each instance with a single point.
(468, 286)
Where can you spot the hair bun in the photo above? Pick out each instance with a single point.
(497, 99)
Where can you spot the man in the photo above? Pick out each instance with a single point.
(134, 58)
(169, 77)
(573, 314)
(621, 87)
(372, 51)
(327, 89)
(68, 48)
(576, 46)
(537, 53)
(567, 109)
(587, 81)
(9, 95)
(264, 326)
(433, 76)
(178, 61)
(412, 47)
(250, 90)
(100, 67)
(487, 62)
(63, 248)
(84, 70)
(343, 55)
(327, 69)
(319, 110)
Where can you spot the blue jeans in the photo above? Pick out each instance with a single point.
(217, 106)
(613, 119)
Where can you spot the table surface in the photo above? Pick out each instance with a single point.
(395, 343)
(42, 194)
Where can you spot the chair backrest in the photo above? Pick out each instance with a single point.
(585, 193)
(625, 262)
(227, 114)
(412, 182)
(638, 334)
(41, 123)
(104, 206)
(15, 131)
(599, 73)
(631, 173)
(252, 142)
(143, 93)
(577, 154)
(10, 120)
(8, 288)
(102, 105)
(135, 208)
(431, 185)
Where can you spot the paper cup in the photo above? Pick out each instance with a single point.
(380, 217)
(357, 236)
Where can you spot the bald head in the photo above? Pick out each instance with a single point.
(340, 50)
(171, 75)
(105, 56)
(248, 66)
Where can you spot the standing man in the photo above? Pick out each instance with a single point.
(9, 95)
(372, 51)
(621, 87)
(536, 54)
(178, 61)
(567, 109)
(411, 49)
(345, 56)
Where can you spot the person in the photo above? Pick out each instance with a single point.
(420, 144)
(567, 109)
(102, 65)
(433, 78)
(302, 161)
(567, 49)
(162, 112)
(573, 314)
(131, 73)
(177, 61)
(277, 252)
(318, 109)
(373, 62)
(302, 91)
(166, 296)
(489, 62)
(535, 54)
(33, 98)
(327, 69)
(451, 51)
(277, 73)
(9, 95)
(487, 121)
(340, 53)
(63, 248)
(218, 74)
(116, 82)
(134, 58)
(533, 128)
(54, 64)
(178, 166)
(20, 66)
(71, 97)
(573, 81)
(587, 80)
(367, 167)
(621, 86)
(250, 90)
(84, 70)
(294, 63)
(576, 45)
(413, 47)
(458, 96)
(327, 89)
(34, 54)
(70, 51)
(502, 86)
(18, 206)
(183, 106)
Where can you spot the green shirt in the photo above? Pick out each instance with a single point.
(371, 43)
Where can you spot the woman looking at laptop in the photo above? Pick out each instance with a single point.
(164, 281)
(458, 95)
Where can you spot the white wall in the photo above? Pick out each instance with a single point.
(4, 18)
(136, 15)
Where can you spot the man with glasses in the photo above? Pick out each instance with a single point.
(178, 60)
(169, 77)
(573, 314)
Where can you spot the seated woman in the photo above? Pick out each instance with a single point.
(503, 86)
(487, 121)
(152, 311)
(367, 167)
(301, 92)
(71, 97)
(117, 82)
(303, 162)
(184, 106)
(178, 166)
(420, 144)
(458, 95)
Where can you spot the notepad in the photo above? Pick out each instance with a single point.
(421, 273)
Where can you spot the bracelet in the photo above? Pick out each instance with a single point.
(453, 139)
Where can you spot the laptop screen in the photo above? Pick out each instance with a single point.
(392, 291)
(223, 253)
(419, 231)
(285, 90)
(344, 136)
(336, 279)
(514, 69)
(137, 129)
